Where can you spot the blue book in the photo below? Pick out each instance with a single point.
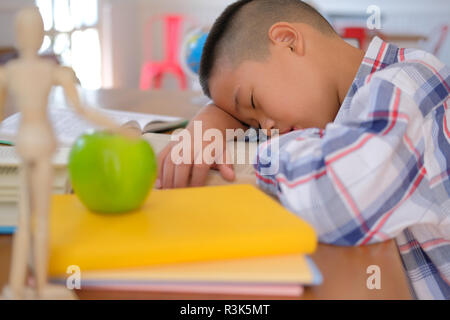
(6, 230)
(8, 210)
(8, 217)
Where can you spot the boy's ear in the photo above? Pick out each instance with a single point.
(286, 35)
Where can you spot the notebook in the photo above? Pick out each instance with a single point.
(175, 226)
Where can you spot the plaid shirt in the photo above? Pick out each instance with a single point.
(381, 169)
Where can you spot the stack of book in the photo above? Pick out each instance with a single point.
(231, 239)
(68, 126)
(218, 240)
(10, 181)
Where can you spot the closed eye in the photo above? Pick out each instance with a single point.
(252, 102)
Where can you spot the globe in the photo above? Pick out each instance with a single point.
(191, 51)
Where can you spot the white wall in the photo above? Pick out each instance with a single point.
(402, 16)
(123, 23)
(124, 27)
(8, 9)
(121, 45)
(419, 17)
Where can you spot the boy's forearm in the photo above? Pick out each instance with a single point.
(2, 93)
(213, 117)
(2, 102)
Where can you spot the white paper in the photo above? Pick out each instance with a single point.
(68, 125)
(9, 157)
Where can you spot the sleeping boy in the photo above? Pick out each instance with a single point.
(364, 153)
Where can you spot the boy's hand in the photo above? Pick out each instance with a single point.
(129, 133)
(190, 174)
(126, 132)
(171, 175)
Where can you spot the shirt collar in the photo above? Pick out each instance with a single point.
(379, 55)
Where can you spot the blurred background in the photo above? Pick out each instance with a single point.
(152, 44)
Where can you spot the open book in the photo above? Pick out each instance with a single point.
(68, 125)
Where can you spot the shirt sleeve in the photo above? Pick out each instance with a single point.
(348, 180)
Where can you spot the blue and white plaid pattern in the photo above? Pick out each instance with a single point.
(381, 169)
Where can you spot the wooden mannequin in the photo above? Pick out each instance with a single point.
(29, 80)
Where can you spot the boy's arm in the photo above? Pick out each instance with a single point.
(348, 180)
(190, 174)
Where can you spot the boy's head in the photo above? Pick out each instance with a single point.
(266, 62)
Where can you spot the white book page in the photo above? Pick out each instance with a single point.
(143, 119)
(9, 179)
(9, 213)
(9, 157)
(68, 125)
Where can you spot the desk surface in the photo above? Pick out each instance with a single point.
(343, 268)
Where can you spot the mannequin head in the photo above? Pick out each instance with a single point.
(29, 31)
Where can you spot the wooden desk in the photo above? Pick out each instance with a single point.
(343, 268)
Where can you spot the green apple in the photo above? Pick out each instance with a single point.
(111, 173)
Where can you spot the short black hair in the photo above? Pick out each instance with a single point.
(240, 32)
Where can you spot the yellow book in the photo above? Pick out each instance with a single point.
(174, 226)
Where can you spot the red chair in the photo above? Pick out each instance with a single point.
(357, 33)
(442, 37)
(152, 72)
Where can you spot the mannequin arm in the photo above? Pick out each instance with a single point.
(66, 78)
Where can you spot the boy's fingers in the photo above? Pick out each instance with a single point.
(225, 165)
(159, 176)
(227, 172)
(168, 173)
(181, 177)
(160, 159)
(199, 175)
(130, 133)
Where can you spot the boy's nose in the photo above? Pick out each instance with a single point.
(268, 125)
